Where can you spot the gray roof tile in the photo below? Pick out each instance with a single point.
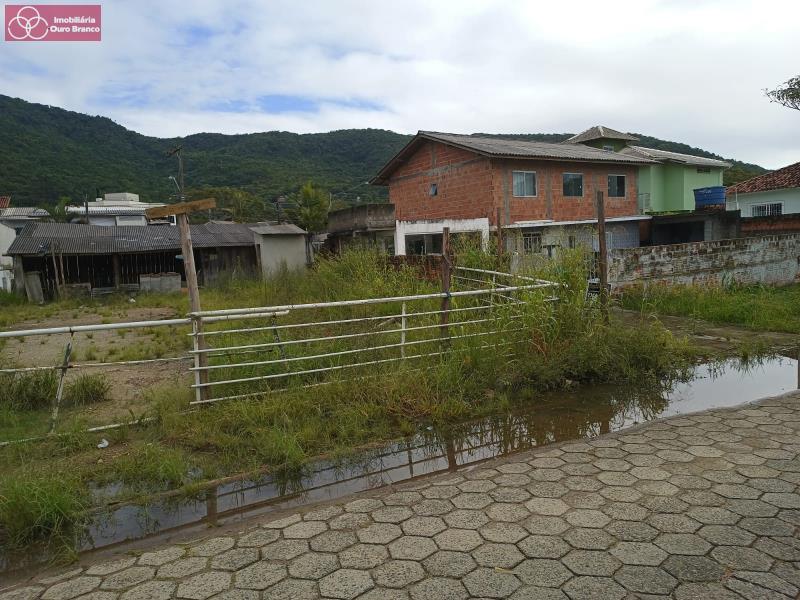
(73, 238)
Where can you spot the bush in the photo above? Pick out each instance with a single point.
(86, 389)
(29, 390)
(35, 508)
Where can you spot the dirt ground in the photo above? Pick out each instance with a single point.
(129, 383)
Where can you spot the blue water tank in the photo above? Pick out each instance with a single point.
(709, 196)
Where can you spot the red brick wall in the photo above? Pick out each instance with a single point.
(471, 186)
(549, 175)
(464, 181)
(770, 225)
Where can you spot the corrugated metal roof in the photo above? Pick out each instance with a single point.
(73, 238)
(785, 178)
(513, 149)
(665, 156)
(524, 149)
(599, 132)
(278, 229)
(107, 210)
(23, 212)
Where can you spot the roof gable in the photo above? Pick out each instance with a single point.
(599, 132)
(785, 178)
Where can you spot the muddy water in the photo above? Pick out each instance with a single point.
(548, 418)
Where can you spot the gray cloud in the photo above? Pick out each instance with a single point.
(686, 71)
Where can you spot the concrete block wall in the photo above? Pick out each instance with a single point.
(769, 259)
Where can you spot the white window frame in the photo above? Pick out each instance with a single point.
(535, 184)
(583, 191)
(767, 212)
(624, 187)
(530, 245)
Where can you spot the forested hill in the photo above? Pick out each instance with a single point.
(47, 152)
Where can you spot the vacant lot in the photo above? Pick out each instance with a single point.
(538, 345)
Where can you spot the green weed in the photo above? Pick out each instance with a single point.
(86, 389)
(40, 508)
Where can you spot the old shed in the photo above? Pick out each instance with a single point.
(98, 259)
(281, 245)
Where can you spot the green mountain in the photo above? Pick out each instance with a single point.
(47, 152)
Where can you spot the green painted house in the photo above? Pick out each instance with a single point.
(666, 185)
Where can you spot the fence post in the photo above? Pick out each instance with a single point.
(200, 376)
(60, 391)
(499, 233)
(445, 316)
(603, 259)
(403, 332)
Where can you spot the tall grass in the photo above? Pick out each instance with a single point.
(29, 390)
(758, 307)
(87, 389)
(40, 507)
(539, 345)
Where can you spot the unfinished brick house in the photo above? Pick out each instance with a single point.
(543, 193)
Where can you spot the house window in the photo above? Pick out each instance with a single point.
(572, 242)
(704, 169)
(524, 183)
(434, 190)
(773, 209)
(616, 186)
(573, 185)
(532, 243)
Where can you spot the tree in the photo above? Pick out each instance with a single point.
(59, 212)
(310, 209)
(234, 204)
(787, 94)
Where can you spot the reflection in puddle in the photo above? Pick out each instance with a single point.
(540, 419)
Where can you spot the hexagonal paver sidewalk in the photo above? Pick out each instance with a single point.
(692, 507)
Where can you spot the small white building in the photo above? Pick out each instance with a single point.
(121, 208)
(281, 245)
(769, 195)
(13, 220)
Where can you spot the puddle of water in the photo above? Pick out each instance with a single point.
(542, 419)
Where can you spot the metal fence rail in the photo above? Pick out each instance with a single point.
(251, 351)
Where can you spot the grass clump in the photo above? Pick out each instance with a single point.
(87, 389)
(28, 390)
(149, 467)
(759, 307)
(40, 509)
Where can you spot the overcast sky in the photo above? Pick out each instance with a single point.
(684, 70)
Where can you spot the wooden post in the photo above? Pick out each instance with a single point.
(55, 271)
(445, 316)
(182, 210)
(603, 251)
(117, 274)
(499, 232)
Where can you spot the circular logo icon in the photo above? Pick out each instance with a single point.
(27, 25)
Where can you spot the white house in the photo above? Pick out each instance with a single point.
(772, 194)
(121, 208)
